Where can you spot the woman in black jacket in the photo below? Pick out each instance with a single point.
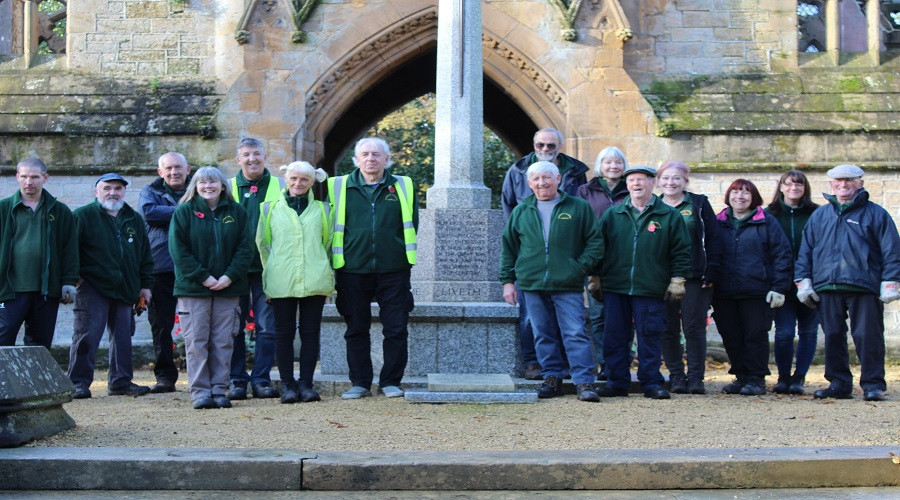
(689, 313)
(756, 275)
(792, 206)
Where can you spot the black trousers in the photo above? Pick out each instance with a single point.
(355, 293)
(744, 326)
(309, 328)
(161, 313)
(36, 311)
(866, 315)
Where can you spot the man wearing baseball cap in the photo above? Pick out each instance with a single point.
(648, 254)
(849, 264)
(116, 272)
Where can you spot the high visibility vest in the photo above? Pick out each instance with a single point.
(273, 191)
(266, 215)
(337, 194)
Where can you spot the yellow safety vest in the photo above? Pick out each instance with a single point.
(272, 192)
(337, 194)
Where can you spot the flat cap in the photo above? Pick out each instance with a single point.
(112, 176)
(634, 169)
(845, 172)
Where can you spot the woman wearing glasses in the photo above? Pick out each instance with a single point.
(792, 205)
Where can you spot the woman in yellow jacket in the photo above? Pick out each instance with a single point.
(293, 236)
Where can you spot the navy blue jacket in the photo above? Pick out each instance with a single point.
(858, 247)
(756, 257)
(157, 207)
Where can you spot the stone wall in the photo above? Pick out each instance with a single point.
(689, 37)
(141, 38)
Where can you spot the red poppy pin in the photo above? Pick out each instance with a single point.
(653, 226)
(199, 215)
(391, 189)
(254, 189)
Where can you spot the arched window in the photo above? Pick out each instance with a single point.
(811, 24)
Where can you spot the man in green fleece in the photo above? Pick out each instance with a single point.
(551, 226)
(38, 255)
(116, 272)
(253, 186)
(373, 249)
(648, 254)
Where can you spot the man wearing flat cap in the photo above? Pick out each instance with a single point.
(849, 265)
(648, 254)
(116, 273)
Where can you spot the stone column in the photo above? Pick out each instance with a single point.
(458, 167)
(31, 32)
(833, 30)
(458, 233)
(460, 323)
(873, 20)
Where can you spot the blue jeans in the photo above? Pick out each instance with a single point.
(264, 354)
(526, 334)
(555, 317)
(792, 316)
(648, 315)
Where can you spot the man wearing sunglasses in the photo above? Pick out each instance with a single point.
(548, 144)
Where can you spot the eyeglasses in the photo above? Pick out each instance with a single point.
(540, 145)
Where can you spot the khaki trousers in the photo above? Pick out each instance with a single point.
(208, 325)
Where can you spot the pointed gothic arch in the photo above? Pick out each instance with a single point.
(397, 64)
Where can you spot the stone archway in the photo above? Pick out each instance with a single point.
(397, 65)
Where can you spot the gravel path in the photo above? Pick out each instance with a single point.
(378, 423)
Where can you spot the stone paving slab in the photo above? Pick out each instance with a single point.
(605, 469)
(152, 469)
(420, 396)
(267, 469)
(470, 382)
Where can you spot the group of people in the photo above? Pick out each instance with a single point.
(653, 266)
(211, 250)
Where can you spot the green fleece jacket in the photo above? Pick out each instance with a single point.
(373, 230)
(559, 264)
(59, 241)
(644, 252)
(114, 252)
(206, 243)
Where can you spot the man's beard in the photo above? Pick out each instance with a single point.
(548, 156)
(112, 206)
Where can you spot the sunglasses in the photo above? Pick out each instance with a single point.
(540, 145)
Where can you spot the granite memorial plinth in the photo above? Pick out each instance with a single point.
(464, 337)
(32, 391)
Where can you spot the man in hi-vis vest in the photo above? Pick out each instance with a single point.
(373, 249)
(252, 186)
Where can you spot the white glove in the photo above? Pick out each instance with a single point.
(675, 290)
(806, 294)
(68, 294)
(775, 299)
(889, 291)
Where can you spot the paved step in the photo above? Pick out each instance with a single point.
(261, 469)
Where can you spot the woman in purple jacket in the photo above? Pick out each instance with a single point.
(606, 189)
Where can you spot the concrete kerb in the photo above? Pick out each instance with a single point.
(245, 470)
